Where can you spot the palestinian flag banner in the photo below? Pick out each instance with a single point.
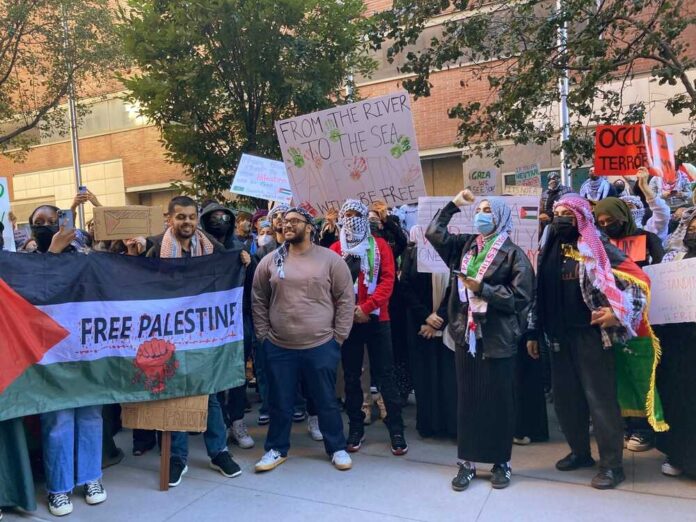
(529, 212)
(79, 330)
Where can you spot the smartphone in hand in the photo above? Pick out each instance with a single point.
(66, 219)
(460, 274)
(82, 189)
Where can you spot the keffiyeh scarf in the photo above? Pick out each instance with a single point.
(476, 263)
(638, 209)
(356, 241)
(171, 248)
(597, 267)
(674, 245)
(281, 253)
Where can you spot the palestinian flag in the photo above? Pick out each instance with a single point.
(529, 213)
(78, 330)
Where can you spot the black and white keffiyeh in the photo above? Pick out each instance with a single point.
(356, 240)
(281, 252)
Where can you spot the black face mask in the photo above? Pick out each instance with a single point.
(374, 227)
(43, 235)
(564, 228)
(218, 228)
(614, 230)
(619, 188)
(690, 241)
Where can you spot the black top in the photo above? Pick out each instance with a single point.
(576, 312)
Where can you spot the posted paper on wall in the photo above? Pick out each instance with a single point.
(8, 233)
(365, 150)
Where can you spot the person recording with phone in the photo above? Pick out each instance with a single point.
(492, 289)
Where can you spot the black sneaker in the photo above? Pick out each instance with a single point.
(355, 440)
(571, 462)
(177, 469)
(608, 478)
(500, 476)
(464, 477)
(224, 464)
(398, 444)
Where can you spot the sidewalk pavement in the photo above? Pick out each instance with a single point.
(381, 487)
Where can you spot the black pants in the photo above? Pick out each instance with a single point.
(584, 386)
(377, 336)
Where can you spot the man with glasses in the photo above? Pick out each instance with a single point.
(302, 301)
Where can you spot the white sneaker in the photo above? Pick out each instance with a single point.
(239, 435)
(94, 493)
(271, 460)
(341, 460)
(524, 441)
(59, 504)
(670, 469)
(313, 428)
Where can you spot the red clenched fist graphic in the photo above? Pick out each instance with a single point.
(155, 363)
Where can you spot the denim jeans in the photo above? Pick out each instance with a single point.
(261, 377)
(72, 439)
(317, 367)
(215, 436)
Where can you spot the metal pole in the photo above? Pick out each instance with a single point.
(563, 87)
(72, 108)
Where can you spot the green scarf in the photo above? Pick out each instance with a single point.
(478, 259)
(618, 210)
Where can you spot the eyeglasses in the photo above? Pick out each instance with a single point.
(293, 222)
(225, 218)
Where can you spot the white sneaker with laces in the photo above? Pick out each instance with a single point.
(59, 504)
(341, 460)
(239, 435)
(670, 469)
(94, 493)
(271, 460)
(313, 428)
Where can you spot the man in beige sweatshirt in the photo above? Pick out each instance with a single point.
(302, 302)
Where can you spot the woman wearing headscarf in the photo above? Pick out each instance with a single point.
(590, 297)
(431, 359)
(675, 374)
(492, 286)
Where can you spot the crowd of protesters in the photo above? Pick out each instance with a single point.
(483, 347)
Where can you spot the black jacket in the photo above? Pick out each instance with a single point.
(507, 287)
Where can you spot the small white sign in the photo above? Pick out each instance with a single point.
(673, 292)
(8, 233)
(262, 178)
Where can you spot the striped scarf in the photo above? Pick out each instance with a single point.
(171, 248)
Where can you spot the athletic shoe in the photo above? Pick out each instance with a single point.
(524, 441)
(239, 435)
(59, 504)
(464, 477)
(500, 476)
(225, 465)
(313, 428)
(177, 469)
(639, 442)
(608, 478)
(299, 416)
(571, 462)
(271, 460)
(94, 493)
(355, 440)
(341, 460)
(670, 469)
(398, 444)
(263, 419)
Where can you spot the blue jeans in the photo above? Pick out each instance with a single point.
(215, 436)
(71, 439)
(317, 368)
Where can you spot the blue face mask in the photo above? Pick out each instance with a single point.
(484, 223)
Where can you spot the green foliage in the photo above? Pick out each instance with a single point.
(214, 75)
(36, 62)
(513, 46)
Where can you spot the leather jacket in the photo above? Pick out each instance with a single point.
(507, 287)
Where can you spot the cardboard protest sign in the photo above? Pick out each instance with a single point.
(8, 233)
(620, 150)
(673, 292)
(126, 222)
(482, 182)
(525, 213)
(184, 414)
(522, 190)
(528, 176)
(365, 150)
(634, 247)
(262, 178)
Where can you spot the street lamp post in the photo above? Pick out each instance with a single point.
(563, 87)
